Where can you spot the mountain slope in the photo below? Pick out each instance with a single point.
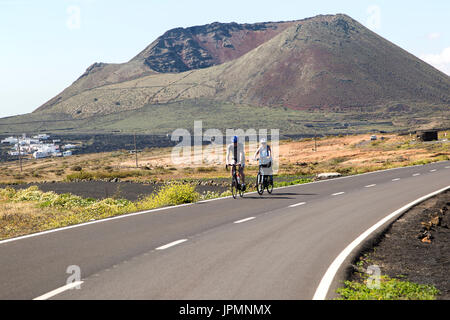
(177, 50)
(326, 62)
(327, 72)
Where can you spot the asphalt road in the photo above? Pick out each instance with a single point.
(269, 247)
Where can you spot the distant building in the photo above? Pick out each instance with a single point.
(42, 136)
(40, 155)
(10, 140)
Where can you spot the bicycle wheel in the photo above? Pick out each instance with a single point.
(270, 185)
(259, 184)
(241, 192)
(234, 189)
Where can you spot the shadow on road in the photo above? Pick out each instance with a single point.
(293, 194)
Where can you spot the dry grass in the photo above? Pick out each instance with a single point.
(346, 154)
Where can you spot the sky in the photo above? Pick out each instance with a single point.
(46, 45)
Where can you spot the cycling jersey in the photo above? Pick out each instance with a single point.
(236, 153)
(265, 154)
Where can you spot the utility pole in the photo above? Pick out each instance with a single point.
(135, 150)
(315, 140)
(20, 156)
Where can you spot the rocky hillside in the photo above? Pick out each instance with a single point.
(323, 63)
(326, 73)
(178, 50)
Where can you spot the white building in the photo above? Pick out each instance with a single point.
(40, 155)
(10, 140)
(42, 136)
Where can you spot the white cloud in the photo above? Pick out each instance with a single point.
(73, 22)
(440, 61)
(374, 20)
(434, 36)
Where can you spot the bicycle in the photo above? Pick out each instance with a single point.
(264, 181)
(236, 186)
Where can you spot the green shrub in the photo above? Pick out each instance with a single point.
(81, 175)
(206, 169)
(390, 289)
(171, 195)
(291, 183)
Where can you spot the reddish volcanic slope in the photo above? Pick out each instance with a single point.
(178, 50)
(325, 62)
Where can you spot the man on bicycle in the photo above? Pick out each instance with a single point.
(265, 158)
(236, 151)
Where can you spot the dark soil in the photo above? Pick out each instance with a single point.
(416, 249)
(130, 190)
(101, 189)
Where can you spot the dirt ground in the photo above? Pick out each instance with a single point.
(344, 154)
(417, 246)
(102, 189)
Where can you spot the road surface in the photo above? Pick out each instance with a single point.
(269, 247)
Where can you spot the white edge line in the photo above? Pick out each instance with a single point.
(174, 243)
(297, 204)
(244, 220)
(59, 290)
(327, 279)
(189, 204)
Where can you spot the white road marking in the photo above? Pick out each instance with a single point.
(298, 204)
(59, 290)
(434, 170)
(396, 179)
(338, 194)
(244, 220)
(325, 283)
(416, 174)
(171, 244)
(37, 234)
(370, 186)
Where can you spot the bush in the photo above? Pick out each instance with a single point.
(76, 168)
(82, 175)
(206, 169)
(68, 209)
(390, 289)
(291, 183)
(171, 195)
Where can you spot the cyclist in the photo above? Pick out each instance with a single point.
(237, 152)
(265, 158)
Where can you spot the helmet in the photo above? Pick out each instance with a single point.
(263, 141)
(234, 139)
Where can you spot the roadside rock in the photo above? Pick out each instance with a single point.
(328, 175)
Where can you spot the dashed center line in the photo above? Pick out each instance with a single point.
(338, 193)
(447, 167)
(171, 244)
(434, 170)
(370, 186)
(59, 290)
(396, 179)
(416, 174)
(297, 204)
(244, 220)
